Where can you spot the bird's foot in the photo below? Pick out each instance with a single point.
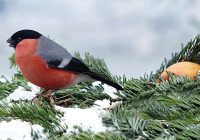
(64, 103)
(46, 95)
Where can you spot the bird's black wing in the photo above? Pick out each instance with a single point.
(77, 66)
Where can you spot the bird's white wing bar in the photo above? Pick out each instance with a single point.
(64, 63)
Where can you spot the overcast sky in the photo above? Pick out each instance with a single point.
(132, 36)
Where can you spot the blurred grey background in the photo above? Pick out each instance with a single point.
(132, 36)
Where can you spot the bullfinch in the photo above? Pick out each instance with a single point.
(48, 65)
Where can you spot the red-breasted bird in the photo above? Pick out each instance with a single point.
(48, 65)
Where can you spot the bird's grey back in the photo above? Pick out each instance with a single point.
(53, 53)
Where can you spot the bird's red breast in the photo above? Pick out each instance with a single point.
(37, 71)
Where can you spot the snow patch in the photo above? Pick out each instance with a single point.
(19, 130)
(21, 94)
(96, 83)
(88, 119)
(102, 103)
(106, 104)
(109, 90)
(33, 87)
(3, 80)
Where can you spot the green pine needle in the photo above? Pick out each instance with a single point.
(12, 61)
(91, 136)
(43, 115)
(97, 65)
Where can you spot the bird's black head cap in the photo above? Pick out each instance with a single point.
(22, 34)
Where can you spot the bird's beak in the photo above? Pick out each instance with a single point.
(10, 41)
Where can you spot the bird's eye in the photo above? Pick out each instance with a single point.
(19, 38)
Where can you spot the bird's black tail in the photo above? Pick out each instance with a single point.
(109, 82)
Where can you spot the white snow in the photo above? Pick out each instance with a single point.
(33, 87)
(96, 83)
(88, 119)
(3, 80)
(106, 104)
(21, 94)
(20, 130)
(109, 90)
(102, 103)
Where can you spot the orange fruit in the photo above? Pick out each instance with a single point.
(187, 69)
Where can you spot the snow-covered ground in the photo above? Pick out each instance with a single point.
(21, 94)
(19, 130)
(89, 119)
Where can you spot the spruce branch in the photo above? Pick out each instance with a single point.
(127, 122)
(160, 106)
(90, 136)
(82, 95)
(43, 115)
(12, 61)
(191, 52)
(9, 86)
(96, 65)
